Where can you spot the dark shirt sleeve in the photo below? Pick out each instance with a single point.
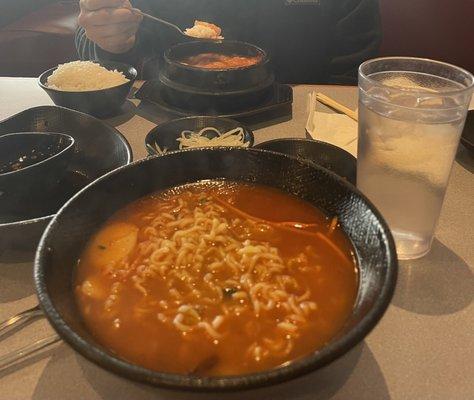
(142, 55)
(88, 50)
(356, 35)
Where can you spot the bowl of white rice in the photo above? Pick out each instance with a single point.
(96, 88)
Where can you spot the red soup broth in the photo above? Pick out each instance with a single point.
(221, 61)
(216, 278)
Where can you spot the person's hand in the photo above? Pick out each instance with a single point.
(111, 24)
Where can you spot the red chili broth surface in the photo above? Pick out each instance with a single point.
(251, 294)
(221, 61)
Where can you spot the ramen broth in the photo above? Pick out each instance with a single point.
(221, 61)
(216, 278)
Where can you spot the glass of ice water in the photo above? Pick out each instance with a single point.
(411, 115)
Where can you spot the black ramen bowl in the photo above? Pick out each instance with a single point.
(165, 135)
(100, 103)
(223, 90)
(66, 236)
(324, 154)
(31, 162)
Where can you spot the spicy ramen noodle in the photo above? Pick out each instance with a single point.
(216, 278)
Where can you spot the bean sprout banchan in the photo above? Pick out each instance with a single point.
(216, 278)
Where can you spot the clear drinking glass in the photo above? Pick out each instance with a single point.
(411, 115)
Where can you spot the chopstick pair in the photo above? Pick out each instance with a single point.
(322, 98)
(17, 322)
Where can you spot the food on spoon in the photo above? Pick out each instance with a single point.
(209, 137)
(221, 61)
(204, 30)
(82, 76)
(219, 281)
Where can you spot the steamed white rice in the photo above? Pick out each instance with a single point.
(82, 76)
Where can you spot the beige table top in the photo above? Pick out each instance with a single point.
(422, 349)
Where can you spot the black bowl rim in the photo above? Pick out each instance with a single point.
(248, 133)
(69, 138)
(468, 140)
(265, 57)
(186, 89)
(36, 220)
(305, 140)
(292, 370)
(130, 68)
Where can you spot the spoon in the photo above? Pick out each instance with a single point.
(177, 28)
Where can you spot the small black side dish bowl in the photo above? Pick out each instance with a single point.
(32, 162)
(165, 135)
(324, 154)
(67, 234)
(99, 103)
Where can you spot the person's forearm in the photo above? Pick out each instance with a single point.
(138, 56)
(85, 47)
(144, 55)
(88, 50)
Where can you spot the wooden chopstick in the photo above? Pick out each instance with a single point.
(322, 98)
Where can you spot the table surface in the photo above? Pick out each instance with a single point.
(423, 348)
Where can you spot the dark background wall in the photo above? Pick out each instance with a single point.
(11, 10)
(439, 29)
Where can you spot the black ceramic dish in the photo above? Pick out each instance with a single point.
(216, 80)
(99, 148)
(100, 103)
(39, 162)
(66, 236)
(277, 107)
(223, 90)
(467, 137)
(165, 135)
(31, 159)
(324, 154)
(218, 102)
